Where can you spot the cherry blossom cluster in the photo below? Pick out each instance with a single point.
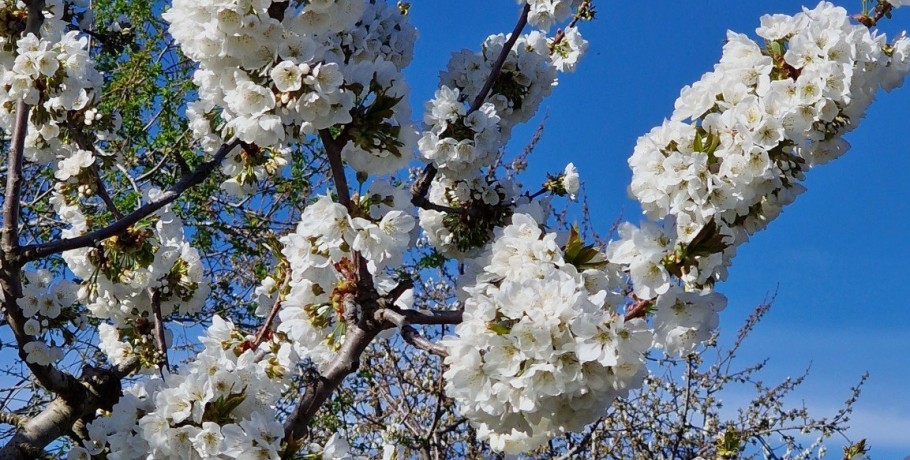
(272, 73)
(761, 119)
(460, 142)
(735, 151)
(46, 305)
(324, 254)
(545, 13)
(542, 349)
(462, 138)
(56, 77)
(653, 259)
(121, 275)
(220, 405)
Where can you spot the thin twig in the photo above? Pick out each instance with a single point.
(421, 186)
(267, 326)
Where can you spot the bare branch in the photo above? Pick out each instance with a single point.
(333, 151)
(428, 317)
(267, 326)
(10, 264)
(10, 240)
(409, 334)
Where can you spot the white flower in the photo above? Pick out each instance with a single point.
(72, 165)
(41, 354)
(336, 448)
(32, 327)
(287, 76)
(570, 180)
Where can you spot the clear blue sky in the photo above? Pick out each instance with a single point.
(838, 257)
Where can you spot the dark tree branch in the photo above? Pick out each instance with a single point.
(158, 328)
(101, 191)
(34, 252)
(96, 389)
(333, 151)
(431, 317)
(501, 59)
(10, 263)
(424, 203)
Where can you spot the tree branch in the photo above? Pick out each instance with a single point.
(9, 243)
(501, 59)
(34, 252)
(97, 389)
(267, 326)
(358, 337)
(432, 317)
(409, 334)
(10, 263)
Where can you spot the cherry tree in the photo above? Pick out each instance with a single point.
(250, 172)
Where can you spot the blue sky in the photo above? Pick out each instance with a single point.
(837, 257)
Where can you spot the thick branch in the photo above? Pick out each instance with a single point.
(10, 239)
(33, 252)
(432, 317)
(97, 389)
(10, 264)
(42, 429)
(346, 362)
